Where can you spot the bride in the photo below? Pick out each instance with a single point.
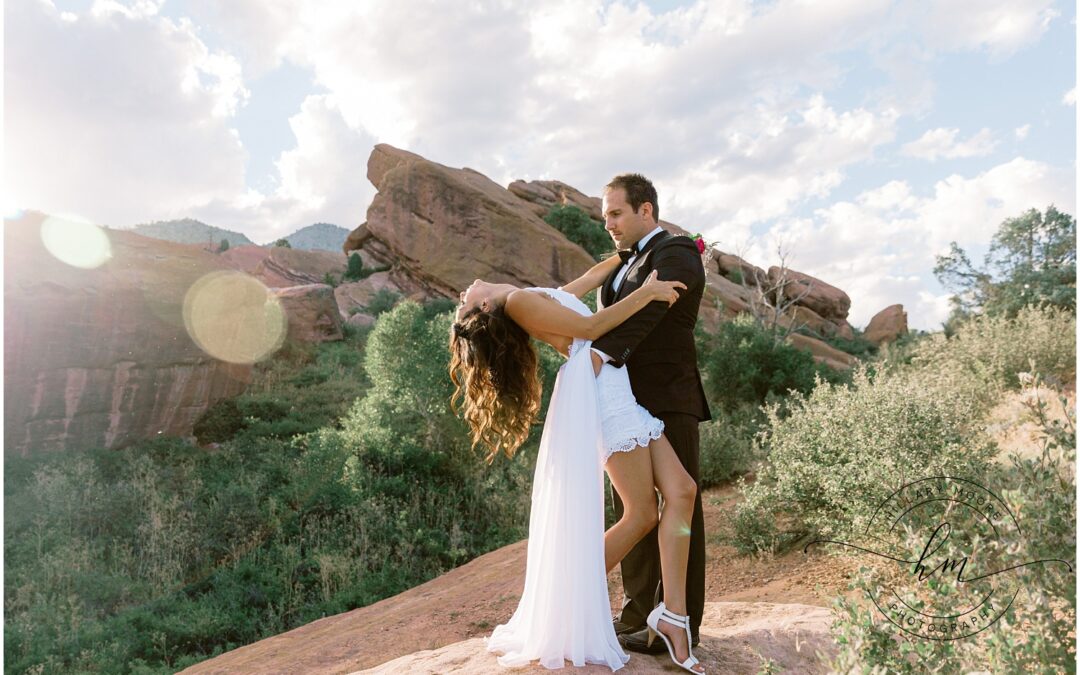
(593, 424)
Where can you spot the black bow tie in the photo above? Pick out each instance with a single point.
(626, 253)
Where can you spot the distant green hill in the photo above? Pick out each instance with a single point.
(322, 236)
(190, 231)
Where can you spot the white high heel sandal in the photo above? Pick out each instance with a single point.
(663, 613)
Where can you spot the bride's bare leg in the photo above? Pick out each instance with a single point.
(631, 475)
(678, 490)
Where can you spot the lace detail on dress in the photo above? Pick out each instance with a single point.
(655, 430)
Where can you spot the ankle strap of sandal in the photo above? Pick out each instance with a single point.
(677, 619)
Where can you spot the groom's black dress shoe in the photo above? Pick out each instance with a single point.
(639, 642)
(621, 627)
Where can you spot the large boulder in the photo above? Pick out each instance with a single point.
(733, 267)
(828, 301)
(541, 195)
(887, 325)
(357, 295)
(100, 357)
(312, 312)
(823, 352)
(439, 228)
(445, 227)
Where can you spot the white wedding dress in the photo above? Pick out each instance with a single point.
(564, 613)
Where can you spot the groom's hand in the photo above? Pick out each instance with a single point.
(597, 363)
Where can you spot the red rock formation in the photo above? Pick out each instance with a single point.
(823, 353)
(280, 267)
(544, 194)
(828, 301)
(444, 227)
(439, 228)
(100, 357)
(887, 325)
(357, 295)
(312, 312)
(395, 635)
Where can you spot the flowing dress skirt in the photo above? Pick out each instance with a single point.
(564, 613)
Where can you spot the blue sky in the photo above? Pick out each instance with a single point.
(858, 136)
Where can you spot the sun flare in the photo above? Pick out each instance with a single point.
(76, 242)
(234, 317)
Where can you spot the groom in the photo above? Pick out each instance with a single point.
(657, 347)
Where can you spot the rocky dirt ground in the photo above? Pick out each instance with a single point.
(758, 605)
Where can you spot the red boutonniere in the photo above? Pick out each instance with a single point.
(700, 243)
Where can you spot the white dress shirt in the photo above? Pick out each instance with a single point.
(617, 284)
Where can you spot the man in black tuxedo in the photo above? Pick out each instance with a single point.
(657, 347)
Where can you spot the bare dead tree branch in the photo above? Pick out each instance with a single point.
(770, 303)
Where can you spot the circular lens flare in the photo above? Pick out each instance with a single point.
(76, 242)
(234, 317)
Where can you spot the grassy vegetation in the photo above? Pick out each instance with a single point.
(339, 479)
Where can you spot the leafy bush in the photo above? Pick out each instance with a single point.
(1037, 634)
(579, 228)
(987, 353)
(741, 363)
(355, 270)
(858, 346)
(304, 388)
(727, 447)
(220, 422)
(382, 301)
(841, 450)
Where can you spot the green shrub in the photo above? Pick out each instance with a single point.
(741, 363)
(355, 270)
(382, 301)
(163, 554)
(220, 422)
(1037, 633)
(987, 353)
(841, 450)
(727, 447)
(857, 346)
(579, 228)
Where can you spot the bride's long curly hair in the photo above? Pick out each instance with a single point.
(494, 369)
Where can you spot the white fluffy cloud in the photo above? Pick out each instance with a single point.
(999, 26)
(881, 247)
(322, 179)
(741, 111)
(580, 90)
(938, 144)
(117, 130)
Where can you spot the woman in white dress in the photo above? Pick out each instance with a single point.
(593, 424)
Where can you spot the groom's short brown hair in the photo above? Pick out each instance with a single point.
(639, 190)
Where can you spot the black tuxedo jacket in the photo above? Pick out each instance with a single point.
(657, 343)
